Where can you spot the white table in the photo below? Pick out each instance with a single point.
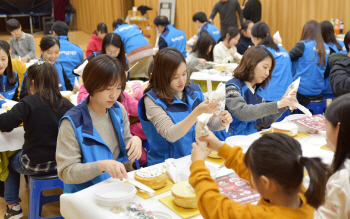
(83, 204)
(12, 141)
(203, 76)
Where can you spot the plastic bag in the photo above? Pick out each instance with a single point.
(171, 169)
(80, 69)
(293, 87)
(202, 129)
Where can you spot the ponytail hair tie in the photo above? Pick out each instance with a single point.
(298, 159)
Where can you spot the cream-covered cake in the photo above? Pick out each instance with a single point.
(184, 195)
(153, 177)
(288, 128)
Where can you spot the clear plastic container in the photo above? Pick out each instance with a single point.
(114, 194)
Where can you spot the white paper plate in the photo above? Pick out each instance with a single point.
(161, 215)
(240, 140)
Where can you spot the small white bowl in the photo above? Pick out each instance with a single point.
(115, 193)
(240, 140)
(161, 215)
(213, 171)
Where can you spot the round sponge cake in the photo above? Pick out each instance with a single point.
(153, 177)
(184, 195)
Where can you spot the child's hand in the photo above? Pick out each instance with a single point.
(114, 168)
(24, 59)
(214, 143)
(135, 146)
(225, 118)
(202, 61)
(197, 153)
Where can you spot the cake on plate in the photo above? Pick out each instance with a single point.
(184, 195)
(214, 154)
(153, 177)
(288, 128)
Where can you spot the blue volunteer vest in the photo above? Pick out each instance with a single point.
(238, 127)
(281, 75)
(312, 75)
(327, 88)
(212, 30)
(71, 55)
(175, 38)
(93, 148)
(161, 149)
(131, 36)
(7, 90)
(59, 69)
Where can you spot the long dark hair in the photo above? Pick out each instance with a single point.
(232, 31)
(338, 112)
(101, 27)
(48, 41)
(312, 31)
(251, 58)
(327, 31)
(117, 22)
(9, 72)
(261, 30)
(204, 42)
(166, 62)
(45, 78)
(115, 40)
(280, 157)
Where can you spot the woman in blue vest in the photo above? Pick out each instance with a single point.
(282, 73)
(94, 137)
(335, 46)
(50, 51)
(136, 47)
(112, 45)
(309, 59)
(201, 21)
(244, 95)
(8, 78)
(169, 109)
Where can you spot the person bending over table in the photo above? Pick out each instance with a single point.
(244, 98)
(169, 109)
(94, 137)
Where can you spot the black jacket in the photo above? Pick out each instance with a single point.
(339, 78)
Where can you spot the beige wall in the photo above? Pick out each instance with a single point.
(287, 16)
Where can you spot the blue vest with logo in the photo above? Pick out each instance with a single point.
(327, 88)
(93, 148)
(312, 75)
(71, 55)
(238, 127)
(212, 30)
(161, 149)
(175, 38)
(281, 75)
(59, 69)
(131, 36)
(7, 90)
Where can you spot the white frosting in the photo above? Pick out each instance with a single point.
(289, 126)
(150, 172)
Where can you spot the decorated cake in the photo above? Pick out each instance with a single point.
(184, 195)
(288, 128)
(153, 177)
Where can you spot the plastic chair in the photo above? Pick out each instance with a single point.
(37, 184)
(284, 115)
(316, 107)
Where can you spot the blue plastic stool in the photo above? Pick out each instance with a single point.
(284, 115)
(328, 96)
(316, 107)
(37, 184)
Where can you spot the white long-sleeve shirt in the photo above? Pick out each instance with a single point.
(337, 204)
(222, 53)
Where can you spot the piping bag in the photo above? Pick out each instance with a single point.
(293, 87)
(219, 93)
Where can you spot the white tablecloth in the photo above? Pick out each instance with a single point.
(83, 204)
(12, 141)
(202, 76)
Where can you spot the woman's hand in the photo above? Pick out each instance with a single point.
(206, 107)
(197, 153)
(287, 101)
(202, 61)
(135, 148)
(214, 143)
(114, 168)
(2, 97)
(225, 118)
(76, 89)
